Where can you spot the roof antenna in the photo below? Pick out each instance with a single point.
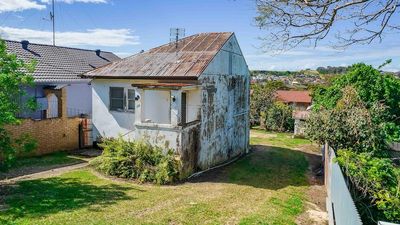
(52, 18)
(174, 35)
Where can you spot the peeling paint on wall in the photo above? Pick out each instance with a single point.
(217, 128)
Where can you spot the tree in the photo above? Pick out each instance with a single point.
(279, 117)
(349, 125)
(262, 97)
(372, 87)
(289, 23)
(14, 74)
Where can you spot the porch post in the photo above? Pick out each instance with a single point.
(139, 105)
(176, 107)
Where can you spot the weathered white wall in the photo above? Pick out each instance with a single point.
(156, 106)
(110, 123)
(193, 105)
(224, 131)
(128, 124)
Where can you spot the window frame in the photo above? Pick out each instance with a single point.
(125, 100)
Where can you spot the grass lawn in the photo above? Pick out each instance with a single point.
(265, 187)
(262, 137)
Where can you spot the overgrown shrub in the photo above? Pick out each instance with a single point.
(279, 117)
(375, 179)
(261, 99)
(137, 160)
(372, 86)
(349, 125)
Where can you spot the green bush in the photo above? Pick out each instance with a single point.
(137, 160)
(372, 86)
(349, 125)
(279, 117)
(377, 180)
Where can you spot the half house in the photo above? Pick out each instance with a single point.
(191, 96)
(63, 98)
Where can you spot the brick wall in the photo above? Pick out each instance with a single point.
(56, 134)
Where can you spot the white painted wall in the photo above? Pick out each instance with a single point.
(156, 106)
(110, 123)
(193, 105)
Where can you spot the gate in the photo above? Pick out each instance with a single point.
(85, 133)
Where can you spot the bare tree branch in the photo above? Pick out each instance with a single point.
(289, 23)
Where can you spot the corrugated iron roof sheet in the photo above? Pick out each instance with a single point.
(60, 64)
(189, 59)
(294, 96)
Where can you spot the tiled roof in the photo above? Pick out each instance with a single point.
(294, 96)
(190, 59)
(60, 64)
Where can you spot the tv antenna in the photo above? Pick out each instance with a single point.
(52, 19)
(176, 34)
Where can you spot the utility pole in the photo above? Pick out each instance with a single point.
(52, 20)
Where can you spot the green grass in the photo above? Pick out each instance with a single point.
(38, 163)
(262, 137)
(265, 187)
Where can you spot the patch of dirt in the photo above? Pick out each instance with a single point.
(261, 135)
(315, 206)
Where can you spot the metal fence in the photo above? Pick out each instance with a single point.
(340, 204)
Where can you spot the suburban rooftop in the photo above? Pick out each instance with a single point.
(57, 64)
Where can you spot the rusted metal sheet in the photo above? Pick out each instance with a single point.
(190, 59)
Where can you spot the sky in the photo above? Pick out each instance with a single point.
(126, 27)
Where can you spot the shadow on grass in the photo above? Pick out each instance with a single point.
(265, 167)
(36, 198)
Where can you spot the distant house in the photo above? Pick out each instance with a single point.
(191, 96)
(57, 77)
(61, 94)
(300, 101)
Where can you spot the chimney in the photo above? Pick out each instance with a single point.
(98, 52)
(25, 44)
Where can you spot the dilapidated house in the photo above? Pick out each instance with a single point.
(191, 96)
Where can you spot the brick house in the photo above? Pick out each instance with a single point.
(61, 94)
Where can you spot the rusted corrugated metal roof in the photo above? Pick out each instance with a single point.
(294, 96)
(189, 60)
(163, 85)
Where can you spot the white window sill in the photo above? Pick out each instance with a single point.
(122, 111)
(156, 125)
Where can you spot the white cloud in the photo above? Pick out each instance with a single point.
(73, 1)
(313, 58)
(90, 37)
(19, 5)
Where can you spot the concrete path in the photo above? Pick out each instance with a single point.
(45, 174)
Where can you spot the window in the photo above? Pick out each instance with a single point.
(122, 99)
(131, 99)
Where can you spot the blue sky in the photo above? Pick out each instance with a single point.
(128, 26)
